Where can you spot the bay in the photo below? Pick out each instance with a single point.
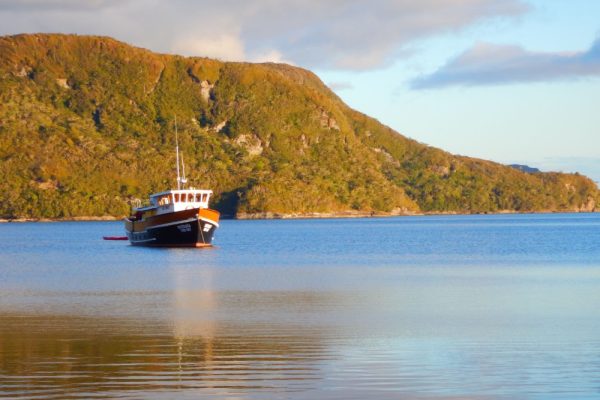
(440, 307)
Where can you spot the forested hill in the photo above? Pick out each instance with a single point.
(86, 125)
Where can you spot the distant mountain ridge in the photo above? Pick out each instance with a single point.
(86, 125)
(525, 168)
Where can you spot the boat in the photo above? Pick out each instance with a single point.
(174, 218)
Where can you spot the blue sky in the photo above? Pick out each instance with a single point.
(551, 122)
(514, 81)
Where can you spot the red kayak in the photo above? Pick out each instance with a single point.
(114, 237)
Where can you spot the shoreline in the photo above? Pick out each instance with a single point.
(313, 215)
(365, 214)
(66, 219)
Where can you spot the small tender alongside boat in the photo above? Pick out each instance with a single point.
(174, 218)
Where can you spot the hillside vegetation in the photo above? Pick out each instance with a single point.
(87, 125)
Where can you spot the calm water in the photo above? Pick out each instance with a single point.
(478, 307)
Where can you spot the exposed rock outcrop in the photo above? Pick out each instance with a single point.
(62, 82)
(251, 143)
(328, 122)
(205, 88)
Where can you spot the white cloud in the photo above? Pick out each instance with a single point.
(223, 47)
(338, 86)
(336, 34)
(71, 5)
(486, 64)
(270, 56)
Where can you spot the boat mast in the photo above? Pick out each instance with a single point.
(177, 155)
(183, 179)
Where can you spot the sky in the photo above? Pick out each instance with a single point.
(513, 81)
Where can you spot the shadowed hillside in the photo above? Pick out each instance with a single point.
(86, 125)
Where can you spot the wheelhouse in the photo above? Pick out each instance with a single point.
(177, 200)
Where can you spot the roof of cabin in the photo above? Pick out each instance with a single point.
(199, 191)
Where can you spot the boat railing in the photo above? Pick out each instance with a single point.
(135, 203)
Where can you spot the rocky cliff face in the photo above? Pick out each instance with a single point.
(86, 126)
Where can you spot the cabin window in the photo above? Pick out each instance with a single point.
(204, 197)
(191, 197)
(198, 197)
(177, 197)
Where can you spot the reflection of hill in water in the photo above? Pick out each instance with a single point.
(136, 343)
(82, 356)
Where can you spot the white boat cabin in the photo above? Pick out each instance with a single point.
(178, 200)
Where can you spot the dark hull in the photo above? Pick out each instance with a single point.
(184, 232)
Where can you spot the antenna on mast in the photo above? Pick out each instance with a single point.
(183, 179)
(177, 155)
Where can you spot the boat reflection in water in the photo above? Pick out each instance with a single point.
(233, 349)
